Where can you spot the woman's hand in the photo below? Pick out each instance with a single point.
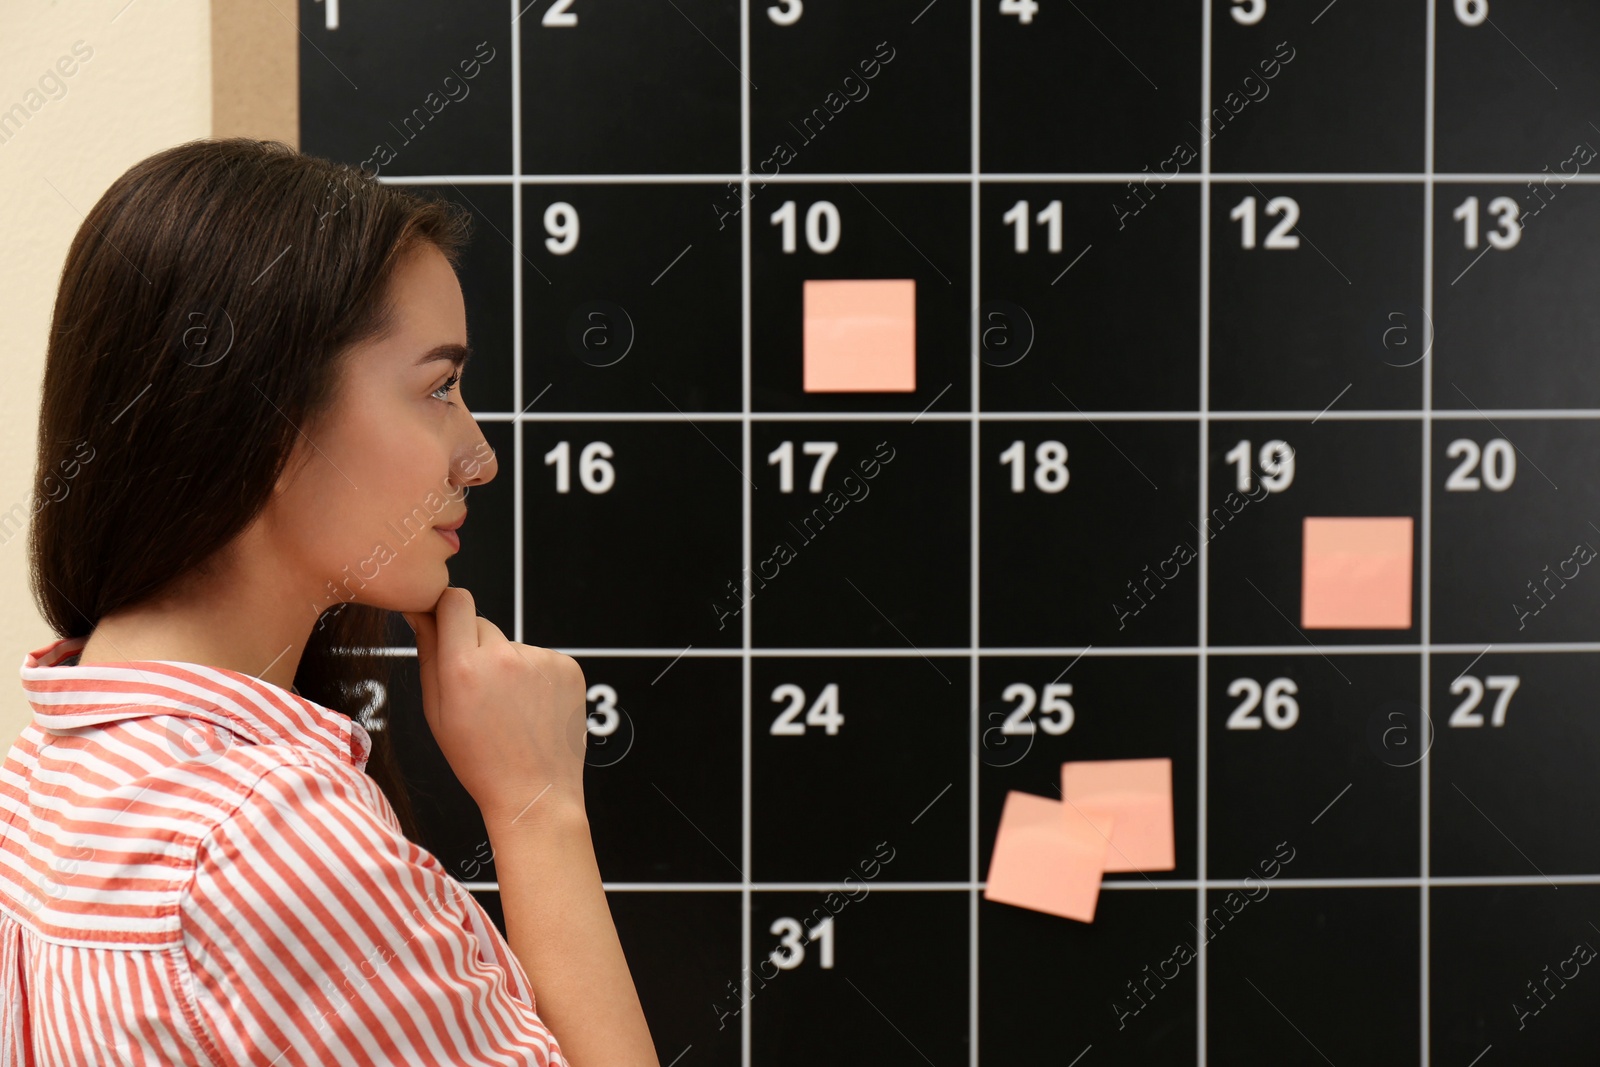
(510, 718)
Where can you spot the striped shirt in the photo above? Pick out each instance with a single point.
(197, 869)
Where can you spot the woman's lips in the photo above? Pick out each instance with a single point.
(450, 536)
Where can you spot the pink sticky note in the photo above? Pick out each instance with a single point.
(1044, 860)
(860, 335)
(1356, 574)
(1137, 794)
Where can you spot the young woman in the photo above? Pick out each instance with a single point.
(253, 448)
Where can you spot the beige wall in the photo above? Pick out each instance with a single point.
(140, 80)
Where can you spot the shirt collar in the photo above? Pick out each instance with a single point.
(65, 696)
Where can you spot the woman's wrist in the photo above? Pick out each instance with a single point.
(541, 812)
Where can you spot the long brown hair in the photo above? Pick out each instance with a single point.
(203, 312)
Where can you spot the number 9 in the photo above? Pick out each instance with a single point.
(1472, 12)
(561, 223)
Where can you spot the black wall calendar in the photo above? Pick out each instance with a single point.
(895, 400)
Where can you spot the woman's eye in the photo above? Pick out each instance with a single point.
(450, 383)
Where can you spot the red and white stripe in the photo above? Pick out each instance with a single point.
(195, 868)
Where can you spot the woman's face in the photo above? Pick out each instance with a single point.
(356, 510)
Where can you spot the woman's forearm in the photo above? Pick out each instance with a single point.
(559, 924)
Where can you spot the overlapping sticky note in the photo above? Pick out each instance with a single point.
(1046, 860)
(1114, 815)
(860, 335)
(1356, 573)
(1138, 792)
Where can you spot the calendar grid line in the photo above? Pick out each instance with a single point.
(1130, 884)
(1425, 594)
(1392, 414)
(746, 942)
(1000, 177)
(1043, 652)
(518, 563)
(1202, 957)
(974, 637)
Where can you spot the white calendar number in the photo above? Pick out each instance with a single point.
(1023, 9)
(561, 223)
(783, 458)
(1049, 217)
(1244, 213)
(791, 951)
(377, 698)
(1248, 12)
(822, 226)
(1499, 461)
(1464, 715)
(1281, 709)
(1050, 472)
(1277, 465)
(786, 12)
(605, 700)
(824, 710)
(1472, 12)
(1055, 703)
(1506, 212)
(596, 474)
(558, 15)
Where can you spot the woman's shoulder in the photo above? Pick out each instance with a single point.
(106, 827)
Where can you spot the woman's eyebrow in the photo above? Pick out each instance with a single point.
(457, 354)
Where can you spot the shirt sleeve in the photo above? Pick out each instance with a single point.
(315, 932)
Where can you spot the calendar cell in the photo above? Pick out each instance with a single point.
(1060, 327)
(1306, 279)
(1266, 479)
(1514, 530)
(1093, 86)
(1308, 86)
(630, 299)
(1121, 988)
(631, 90)
(856, 88)
(801, 231)
(1511, 296)
(1512, 83)
(1513, 788)
(826, 963)
(1087, 533)
(859, 537)
(643, 517)
(661, 779)
(821, 733)
(407, 87)
(1291, 751)
(1340, 966)
(1512, 968)
(1037, 713)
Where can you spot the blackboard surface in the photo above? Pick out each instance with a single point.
(1187, 274)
